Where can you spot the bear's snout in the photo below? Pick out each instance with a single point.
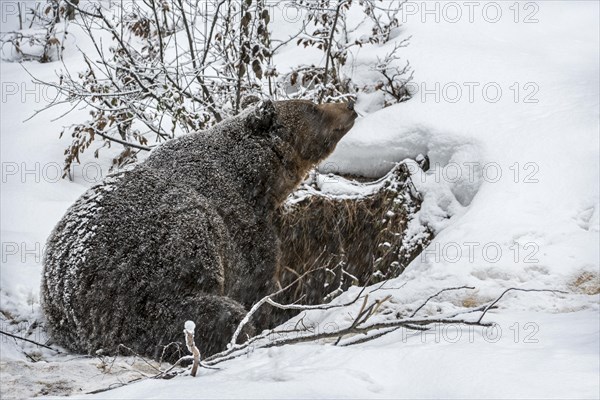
(340, 115)
(348, 117)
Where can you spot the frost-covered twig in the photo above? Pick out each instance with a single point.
(333, 28)
(359, 326)
(437, 294)
(488, 307)
(261, 302)
(300, 307)
(189, 329)
(406, 323)
(365, 313)
(122, 346)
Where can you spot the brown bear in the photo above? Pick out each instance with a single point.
(187, 234)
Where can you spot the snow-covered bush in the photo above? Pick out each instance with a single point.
(156, 69)
(41, 30)
(331, 29)
(164, 73)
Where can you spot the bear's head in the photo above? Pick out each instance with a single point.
(315, 129)
(301, 133)
(310, 130)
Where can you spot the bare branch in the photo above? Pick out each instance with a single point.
(30, 341)
(492, 304)
(437, 294)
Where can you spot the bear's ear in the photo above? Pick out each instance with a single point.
(262, 117)
(248, 101)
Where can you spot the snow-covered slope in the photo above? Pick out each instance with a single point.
(513, 195)
(517, 154)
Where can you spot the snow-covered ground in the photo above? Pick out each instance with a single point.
(508, 112)
(554, 363)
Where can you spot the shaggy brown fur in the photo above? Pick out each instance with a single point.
(186, 235)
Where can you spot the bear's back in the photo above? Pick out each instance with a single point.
(135, 237)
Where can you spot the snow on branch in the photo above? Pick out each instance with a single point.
(189, 329)
(367, 325)
(364, 325)
(171, 68)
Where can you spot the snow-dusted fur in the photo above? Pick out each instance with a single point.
(185, 235)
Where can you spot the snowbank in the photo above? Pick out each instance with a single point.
(508, 114)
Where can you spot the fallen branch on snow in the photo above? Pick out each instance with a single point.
(359, 324)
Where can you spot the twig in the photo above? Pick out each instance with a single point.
(122, 346)
(191, 346)
(369, 338)
(330, 43)
(31, 341)
(355, 328)
(406, 323)
(114, 386)
(267, 299)
(516, 289)
(437, 294)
